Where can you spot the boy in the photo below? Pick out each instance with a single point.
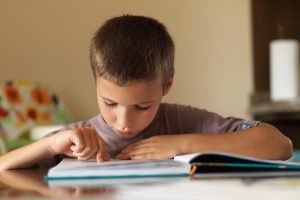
(132, 61)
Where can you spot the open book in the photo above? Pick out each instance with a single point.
(209, 164)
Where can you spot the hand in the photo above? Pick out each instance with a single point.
(82, 143)
(156, 147)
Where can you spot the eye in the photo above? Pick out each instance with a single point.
(109, 104)
(142, 108)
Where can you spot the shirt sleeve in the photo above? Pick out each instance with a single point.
(188, 119)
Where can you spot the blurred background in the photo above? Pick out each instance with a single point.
(216, 65)
(48, 41)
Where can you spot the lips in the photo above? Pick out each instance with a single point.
(124, 132)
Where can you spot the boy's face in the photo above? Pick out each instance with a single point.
(129, 109)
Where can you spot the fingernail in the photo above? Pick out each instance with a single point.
(99, 159)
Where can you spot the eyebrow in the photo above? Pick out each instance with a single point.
(107, 99)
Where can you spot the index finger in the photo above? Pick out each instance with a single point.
(102, 154)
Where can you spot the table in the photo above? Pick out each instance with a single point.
(29, 184)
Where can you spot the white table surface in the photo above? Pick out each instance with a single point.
(164, 188)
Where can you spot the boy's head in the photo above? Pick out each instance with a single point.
(132, 59)
(132, 48)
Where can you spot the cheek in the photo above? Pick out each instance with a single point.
(107, 113)
(146, 118)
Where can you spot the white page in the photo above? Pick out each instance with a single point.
(187, 158)
(75, 168)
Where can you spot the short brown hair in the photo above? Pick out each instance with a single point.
(132, 48)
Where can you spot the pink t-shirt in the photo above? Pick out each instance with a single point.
(170, 119)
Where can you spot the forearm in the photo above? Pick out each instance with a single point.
(25, 156)
(264, 142)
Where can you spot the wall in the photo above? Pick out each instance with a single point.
(48, 41)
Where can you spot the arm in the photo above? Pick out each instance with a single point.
(263, 141)
(25, 156)
(82, 143)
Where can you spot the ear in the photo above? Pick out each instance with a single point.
(169, 84)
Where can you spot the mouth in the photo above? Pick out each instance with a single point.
(124, 133)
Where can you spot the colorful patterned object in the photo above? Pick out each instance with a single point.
(24, 104)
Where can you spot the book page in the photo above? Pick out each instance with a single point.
(116, 168)
(221, 157)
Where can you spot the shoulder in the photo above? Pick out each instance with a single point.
(178, 113)
(83, 124)
(89, 123)
(178, 118)
(179, 109)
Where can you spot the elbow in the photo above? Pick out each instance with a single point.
(287, 149)
(281, 145)
(285, 146)
(3, 165)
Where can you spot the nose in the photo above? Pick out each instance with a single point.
(125, 119)
(124, 129)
